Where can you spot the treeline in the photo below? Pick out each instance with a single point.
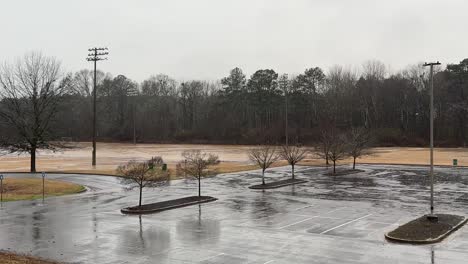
(252, 110)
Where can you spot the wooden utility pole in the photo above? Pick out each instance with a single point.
(431, 128)
(95, 55)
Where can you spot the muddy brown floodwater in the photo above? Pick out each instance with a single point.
(233, 157)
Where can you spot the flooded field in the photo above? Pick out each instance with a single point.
(233, 157)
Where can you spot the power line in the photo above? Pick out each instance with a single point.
(95, 55)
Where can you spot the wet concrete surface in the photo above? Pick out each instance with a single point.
(326, 220)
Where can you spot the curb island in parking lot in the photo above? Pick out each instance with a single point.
(167, 205)
(424, 231)
(277, 184)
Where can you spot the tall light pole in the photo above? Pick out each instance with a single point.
(133, 93)
(286, 116)
(43, 186)
(431, 118)
(1, 188)
(95, 55)
(134, 124)
(284, 85)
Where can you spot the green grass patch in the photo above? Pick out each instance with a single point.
(16, 189)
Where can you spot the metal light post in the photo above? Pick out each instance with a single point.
(284, 85)
(134, 124)
(43, 187)
(133, 94)
(1, 188)
(286, 113)
(431, 172)
(95, 55)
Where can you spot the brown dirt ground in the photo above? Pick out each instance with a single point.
(31, 188)
(11, 258)
(234, 157)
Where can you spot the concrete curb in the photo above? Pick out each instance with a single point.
(427, 241)
(60, 172)
(415, 165)
(266, 187)
(127, 210)
(85, 189)
(343, 173)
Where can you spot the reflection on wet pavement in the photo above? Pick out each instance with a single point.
(329, 219)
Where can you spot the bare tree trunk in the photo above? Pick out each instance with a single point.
(334, 167)
(33, 159)
(263, 176)
(354, 163)
(141, 195)
(199, 186)
(292, 170)
(326, 160)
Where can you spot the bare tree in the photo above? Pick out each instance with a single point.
(263, 156)
(144, 174)
(30, 93)
(293, 155)
(83, 81)
(197, 164)
(358, 144)
(374, 69)
(323, 148)
(338, 149)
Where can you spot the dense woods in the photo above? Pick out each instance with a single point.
(252, 109)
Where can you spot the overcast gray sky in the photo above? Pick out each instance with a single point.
(204, 39)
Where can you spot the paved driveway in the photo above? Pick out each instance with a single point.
(327, 220)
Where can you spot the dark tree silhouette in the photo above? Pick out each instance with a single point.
(338, 149)
(242, 110)
(359, 141)
(323, 147)
(31, 91)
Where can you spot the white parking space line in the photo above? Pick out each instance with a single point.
(321, 215)
(296, 223)
(270, 261)
(307, 206)
(349, 222)
(217, 255)
(334, 210)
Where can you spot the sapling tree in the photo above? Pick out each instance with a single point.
(359, 142)
(263, 157)
(197, 164)
(323, 148)
(141, 174)
(293, 155)
(338, 149)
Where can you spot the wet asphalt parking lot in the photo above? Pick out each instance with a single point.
(326, 220)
